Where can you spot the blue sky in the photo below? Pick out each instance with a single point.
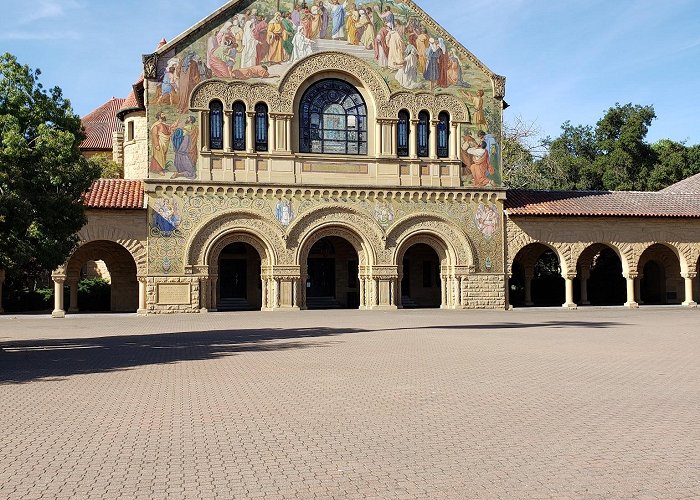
(563, 60)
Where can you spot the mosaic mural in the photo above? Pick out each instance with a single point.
(267, 37)
(173, 220)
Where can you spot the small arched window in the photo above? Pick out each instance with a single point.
(402, 133)
(216, 125)
(423, 139)
(261, 127)
(239, 126)
(443, 130)
(333, 119)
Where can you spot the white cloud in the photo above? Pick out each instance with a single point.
(46, 9)
(39, 35)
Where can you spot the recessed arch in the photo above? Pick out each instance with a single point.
(601, 270)
(121, 266)
(660, 267)
(536, 276)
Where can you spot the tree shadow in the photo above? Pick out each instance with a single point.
(30, 360)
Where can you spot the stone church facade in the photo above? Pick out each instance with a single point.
(298, 157)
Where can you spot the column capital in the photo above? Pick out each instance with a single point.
(689, 275)
(58, 278)
(632, 275)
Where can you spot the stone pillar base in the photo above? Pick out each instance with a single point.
(142, 312)
(382, 308)
(691, 304)
(570, 307)
(631, 305)
(286, 309)
(58, 313)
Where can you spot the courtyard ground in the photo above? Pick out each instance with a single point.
(539, 403)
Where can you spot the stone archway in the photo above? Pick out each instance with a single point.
(602, 271)
(660, 280)
(311, 268)
(423, 262)
(123, 276)
(536, 277)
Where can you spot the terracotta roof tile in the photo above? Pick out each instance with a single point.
(116, 194)
(691, 185)
(602, 203)
(100, 124)
(135, 99)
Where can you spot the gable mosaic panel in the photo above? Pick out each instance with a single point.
(259, 42)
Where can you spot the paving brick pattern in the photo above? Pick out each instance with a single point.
(595, 403)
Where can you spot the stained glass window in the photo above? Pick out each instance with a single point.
(423, 134)
(402, 132)
(333, 119)
(443, 129)
(239, 126)
(261, 127)
(216, 125)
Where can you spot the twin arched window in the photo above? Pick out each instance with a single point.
(443, 139)
(423, 139)
(333, 119)
(261, 127)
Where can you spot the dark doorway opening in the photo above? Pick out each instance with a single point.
(332, 275)
(420, 280)
(240, 286)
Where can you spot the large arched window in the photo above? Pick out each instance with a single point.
(239, 126)
(402, 133)
(333, 119)
(443, 130)
(261, 127)
(423, 139)
(216, 125)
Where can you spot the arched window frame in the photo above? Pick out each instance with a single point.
(403, 133)
(216, 125)
(423, 135)
(261, 127)
(239, 125)
(443, 131)
(315, 137)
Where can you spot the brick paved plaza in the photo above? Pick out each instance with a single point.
(595, 403)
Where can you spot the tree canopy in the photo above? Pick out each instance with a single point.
(43, 174)
(614, 155)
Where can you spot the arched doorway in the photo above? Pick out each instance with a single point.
(332, 278)
(601, 279)
(536, 278)
(660, 276)
(119, 291)
(420, 277)
(240, 284)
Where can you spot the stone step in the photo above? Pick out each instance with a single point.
(231, 304)
(322, 303)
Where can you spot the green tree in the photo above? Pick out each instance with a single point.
(43, 174)
(109, 169)
(571, 157)
(626, 158)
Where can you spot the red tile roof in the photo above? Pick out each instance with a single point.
(602, 203)
(101, 124)
(691, 185)
(134, 101)
(115, 193)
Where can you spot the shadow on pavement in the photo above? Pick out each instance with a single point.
(25, 361)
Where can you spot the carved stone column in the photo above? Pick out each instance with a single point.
(2, 282)
(285, 291)
(265, 296)
(204, 120)
(73, 287)
(384, 279)
(688, 278)
(569, 282)
(412, 138)
(214, 290)
(143, 304)
(250, 132)
(585, 275)
(378, 146)
(288, 134)
(272, 132)
(228, 119)
(58, 281)
(454, 141)
(433, 140)
(394, 141)
(363, 302)
(631, 288)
